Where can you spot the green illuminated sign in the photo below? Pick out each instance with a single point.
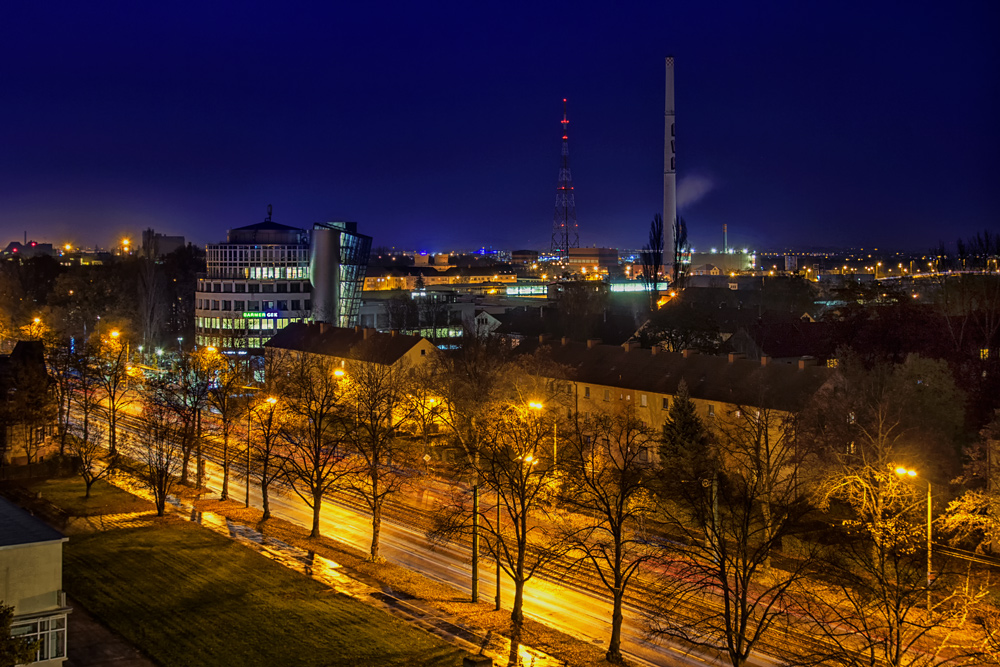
(259, 314)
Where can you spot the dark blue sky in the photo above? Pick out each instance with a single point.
(436, 125)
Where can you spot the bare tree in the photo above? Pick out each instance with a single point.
(520, 531)
(59, 359)
(316, 429)
(609, 480)
(93, 463)
(652, 260)
(86, 384)
(377, 389)
(866, 608)
(112, 376)
(228, 379)
(185, 391)
(473, 380)
(717, 589)
(265, 449)
(156, 460)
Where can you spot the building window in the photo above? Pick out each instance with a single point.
(665, 403)
(282, 305)
(607, 394)
(642, 400)
(268, 288)
(586, 392)
(984, 353)
(215, 305)
(294, 287)
(282, 287)
(569, 390)
(711, 410)
(295, 304)
(50, 631)
(238, 305)
(254, 305)
(240, 287)
(308, 304)
(831, 363)
(227, 305)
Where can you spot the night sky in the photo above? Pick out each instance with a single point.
(435, 126)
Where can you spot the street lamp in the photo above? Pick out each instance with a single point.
(906, 472)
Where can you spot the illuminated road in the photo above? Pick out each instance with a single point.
(577, 613)
(574, 612)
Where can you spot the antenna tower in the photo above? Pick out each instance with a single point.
(565, 233)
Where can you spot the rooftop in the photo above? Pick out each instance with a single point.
(18, 527)
(711, 378)
(317, 338)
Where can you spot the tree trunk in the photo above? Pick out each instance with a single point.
(376, 530)
(517, 612)
(376, 516)
(112, 423)
(185, 460)
(264, 501)
(199, 457)
(475, 543)
(317, 505)
(89, 483)
(225, 465)
(614, 654)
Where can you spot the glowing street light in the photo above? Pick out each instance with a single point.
(907, 472)
(338, 373)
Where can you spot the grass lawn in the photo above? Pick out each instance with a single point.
(68, 494)
(187, 596)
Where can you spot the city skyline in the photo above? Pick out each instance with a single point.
(438, 129)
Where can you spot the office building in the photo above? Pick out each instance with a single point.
(268, 275)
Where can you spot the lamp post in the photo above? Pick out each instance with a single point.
(906, 472)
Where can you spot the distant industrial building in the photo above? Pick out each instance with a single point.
(268, 275)
(156, 245)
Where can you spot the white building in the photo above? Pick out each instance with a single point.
(31, 581)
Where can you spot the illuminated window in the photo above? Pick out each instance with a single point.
(586, 392)
(665, 404)
(642, 400)
(607, 394)
(711, 410)
(831, 363)
(984, 353)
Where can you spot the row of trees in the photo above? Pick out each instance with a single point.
(790, 533)
(724, 532)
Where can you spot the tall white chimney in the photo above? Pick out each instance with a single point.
(669, 171)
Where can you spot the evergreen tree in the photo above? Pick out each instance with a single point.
(686, 446)
(14, 650)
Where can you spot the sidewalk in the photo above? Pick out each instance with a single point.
(93, 645)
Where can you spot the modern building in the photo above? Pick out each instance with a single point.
(256, 283)
(31, 581)
(268, 275)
